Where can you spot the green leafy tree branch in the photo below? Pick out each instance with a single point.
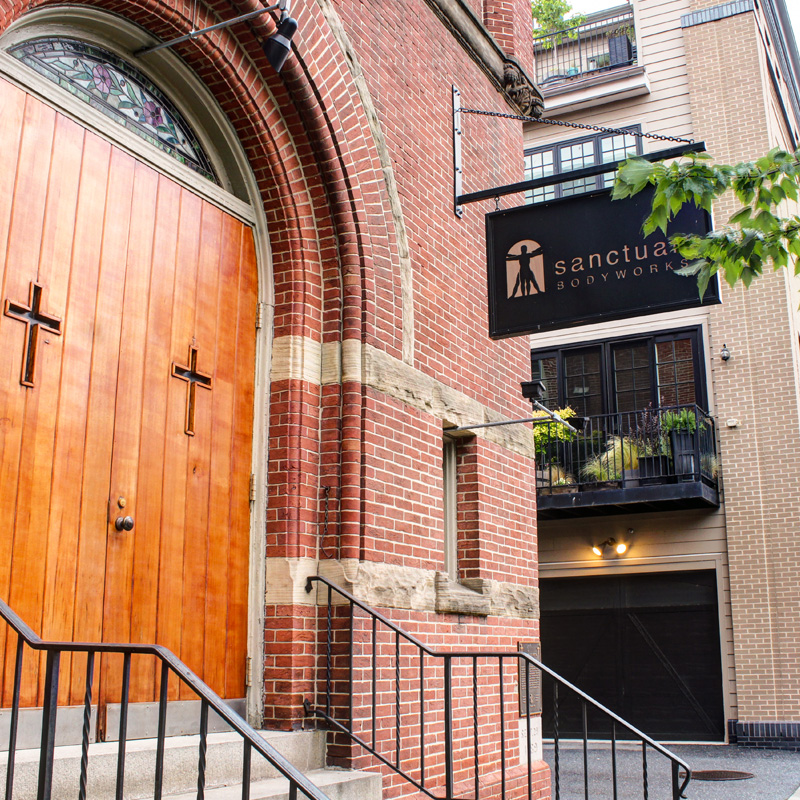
(755, 236)
(551, 16)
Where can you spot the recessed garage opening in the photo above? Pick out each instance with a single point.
(647, 646)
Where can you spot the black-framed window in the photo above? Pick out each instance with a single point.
(625, 374)
(598, 148)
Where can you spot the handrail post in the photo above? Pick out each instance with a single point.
(162, 730)
(49, 711)
(448, 727)
(676, 792)
(123, 724)
(13, 723)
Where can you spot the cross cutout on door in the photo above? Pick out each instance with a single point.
(34, 319)
(194, 378)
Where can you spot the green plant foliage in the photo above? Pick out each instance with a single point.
(621, 454)
(545, 434)
(549, 17)
(757, 235)
(683, 420)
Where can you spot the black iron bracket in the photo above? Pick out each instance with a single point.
(497, 192)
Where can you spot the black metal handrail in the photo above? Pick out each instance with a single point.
(596, 46)
(418, 696)
(651, 446)
(252, 741)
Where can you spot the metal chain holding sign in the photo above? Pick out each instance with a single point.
(579, 125)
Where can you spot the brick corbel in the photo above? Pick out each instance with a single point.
(506, 73)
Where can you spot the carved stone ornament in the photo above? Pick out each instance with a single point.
(521, 91)
(505, 73)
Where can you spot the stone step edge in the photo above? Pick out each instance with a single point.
(190, 741)
(369, 784)
(224, 763)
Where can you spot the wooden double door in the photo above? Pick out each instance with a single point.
(127, 352)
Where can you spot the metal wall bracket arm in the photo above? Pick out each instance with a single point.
(458, 183)
(551, 415)
(562, 177)
(282, 5)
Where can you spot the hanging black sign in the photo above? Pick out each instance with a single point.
(584, 259)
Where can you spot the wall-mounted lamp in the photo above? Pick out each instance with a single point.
(725, 354)
(279, 45)
(610, 548)
(276, 48)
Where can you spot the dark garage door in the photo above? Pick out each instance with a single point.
(646, 646)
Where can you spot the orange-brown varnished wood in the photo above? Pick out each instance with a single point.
(150, 481)
(171, 596)
(224, 419)
(11, 403)
(138, 269)
(130, 392)
(64, 449)
(95, 531)
(22, 260)
(63, 613)
(241, 461)
(195, 547)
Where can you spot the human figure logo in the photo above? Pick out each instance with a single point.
(528, 277)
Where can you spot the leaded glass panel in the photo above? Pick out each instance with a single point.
(119, 91)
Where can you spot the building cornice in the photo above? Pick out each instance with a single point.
(505, 72)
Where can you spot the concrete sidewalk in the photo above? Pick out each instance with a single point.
(776, 774)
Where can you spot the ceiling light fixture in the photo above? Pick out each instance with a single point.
(610, 548)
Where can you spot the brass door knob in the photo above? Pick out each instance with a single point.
(123, 523)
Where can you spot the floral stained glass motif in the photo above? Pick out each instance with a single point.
(121, 92)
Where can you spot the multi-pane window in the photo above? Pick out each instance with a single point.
(675, 372)
(601, 148)
(662, 370)
(583, 380)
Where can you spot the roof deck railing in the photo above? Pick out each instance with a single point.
(592, 48)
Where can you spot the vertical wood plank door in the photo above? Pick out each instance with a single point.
(139, 404)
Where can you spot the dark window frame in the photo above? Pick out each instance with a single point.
(606, 347)
(555, 149)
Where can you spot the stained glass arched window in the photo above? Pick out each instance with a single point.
(121, 92)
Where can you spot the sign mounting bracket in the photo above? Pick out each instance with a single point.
(460, 199)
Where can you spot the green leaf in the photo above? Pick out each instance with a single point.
(742, 216)
(702, 282)
(691, 269)
(790, 188)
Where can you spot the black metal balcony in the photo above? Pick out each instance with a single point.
(654, 459)
(605, 41)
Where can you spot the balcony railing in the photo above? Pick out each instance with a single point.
(594, 47)
(657, 456)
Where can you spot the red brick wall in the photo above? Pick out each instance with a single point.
(337, 271)
(380, 709)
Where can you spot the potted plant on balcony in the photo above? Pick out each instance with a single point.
(619, 460)
(681, 427)
(620, 49)
(554, 479)
(550, 439)
(654, 452)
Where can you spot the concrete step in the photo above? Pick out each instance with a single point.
(338, 784)
(304, 749)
